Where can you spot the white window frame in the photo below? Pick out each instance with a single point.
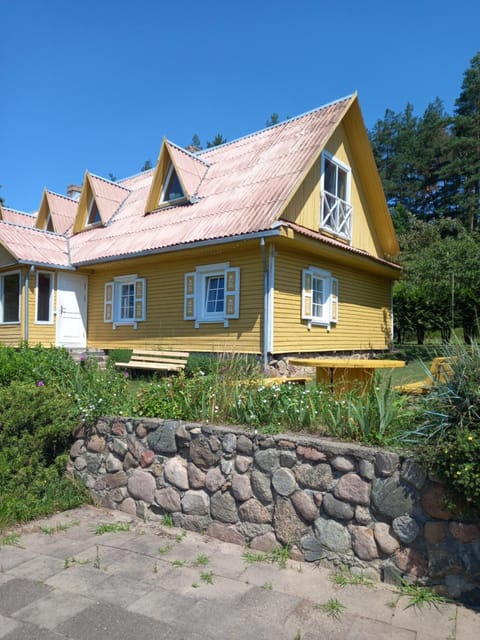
(50, 297)
(329, 301)
(196, 289)
(166, 182)
(89, 213)
(112, 310)
(341, 210)
(2, 292)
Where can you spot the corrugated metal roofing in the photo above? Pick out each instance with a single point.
(242, 191)
(35, 246)
(63, 211)
(241, 188)
(17, 217)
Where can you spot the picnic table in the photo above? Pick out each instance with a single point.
(345, 374)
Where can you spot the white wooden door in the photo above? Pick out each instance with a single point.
(72, 310)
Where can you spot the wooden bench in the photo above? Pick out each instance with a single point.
(440, 372)
(156, 360)
(271, 382)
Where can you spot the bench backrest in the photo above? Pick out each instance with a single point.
(176, 358)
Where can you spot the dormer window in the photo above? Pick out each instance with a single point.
(49, 223)
(93, 213)
(172, 189)
(336, 210)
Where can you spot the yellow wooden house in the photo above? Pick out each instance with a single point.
(279, 242)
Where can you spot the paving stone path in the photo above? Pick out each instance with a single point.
(60, 579)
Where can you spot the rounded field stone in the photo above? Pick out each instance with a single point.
(363, 542)
(141, 486)
(314, 477)
(406, 529)
(241, 487)
(175, 471)
(223, 507)
(411, 562)
(243, 463)
(226, 533)
(244, 445)
(392, 498)
(254, 511)
(265, 542)
(288, 526)
(168, 499)
(162, 440)
(305, 505)
(413, 473)
(386, 463)
(196, 477)
(433, 501)
(353, 488)
(336, 508)
(386, 541)
(195, 503)
(340, 463)
(310, 453)
(214, 479)
(113, 464)
(284, 482)
(96, 444)
(261, 487)
(267, 460)
(201, 453)
(332, 535)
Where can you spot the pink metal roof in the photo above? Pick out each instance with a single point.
(17, 217)
(243, 190)
(191, 168)
(108, 196)
(34, 246)
(63, 211)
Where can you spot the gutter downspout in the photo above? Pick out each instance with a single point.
(265, 306)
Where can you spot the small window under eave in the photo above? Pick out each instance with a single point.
(93, 213)
(172, 189)
(49, 223)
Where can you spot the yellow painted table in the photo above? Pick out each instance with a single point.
(343, 374)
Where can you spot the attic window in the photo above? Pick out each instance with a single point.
(49, 223)
(172, 189)
(336, 210)
(93, 213)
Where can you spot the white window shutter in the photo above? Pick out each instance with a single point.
(140, 299)
(334, 300)
(108, 302)
(189, 312)
(232, 292)
(307, 297)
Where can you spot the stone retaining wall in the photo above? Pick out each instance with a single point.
(367, 508)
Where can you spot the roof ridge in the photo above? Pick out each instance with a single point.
(21, 226)
(280, 124)
(23, 213)
(194, 156)
(115, 184)
(61, 195)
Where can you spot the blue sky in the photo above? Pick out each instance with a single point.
(97, 84)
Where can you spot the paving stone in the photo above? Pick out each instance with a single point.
(7, 625)
(53, 609)
(17, 593)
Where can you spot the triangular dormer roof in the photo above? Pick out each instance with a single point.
(99, 201)
(175, 163)
(56, 213)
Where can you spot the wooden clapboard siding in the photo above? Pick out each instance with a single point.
(304, 208)
(165, 327)
(364, 309)
(44, 334)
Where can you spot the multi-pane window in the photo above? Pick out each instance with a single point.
(212, 294)
(336, 214)
(125, 300)
(44, 297)
(10, 297)
(319, 297)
